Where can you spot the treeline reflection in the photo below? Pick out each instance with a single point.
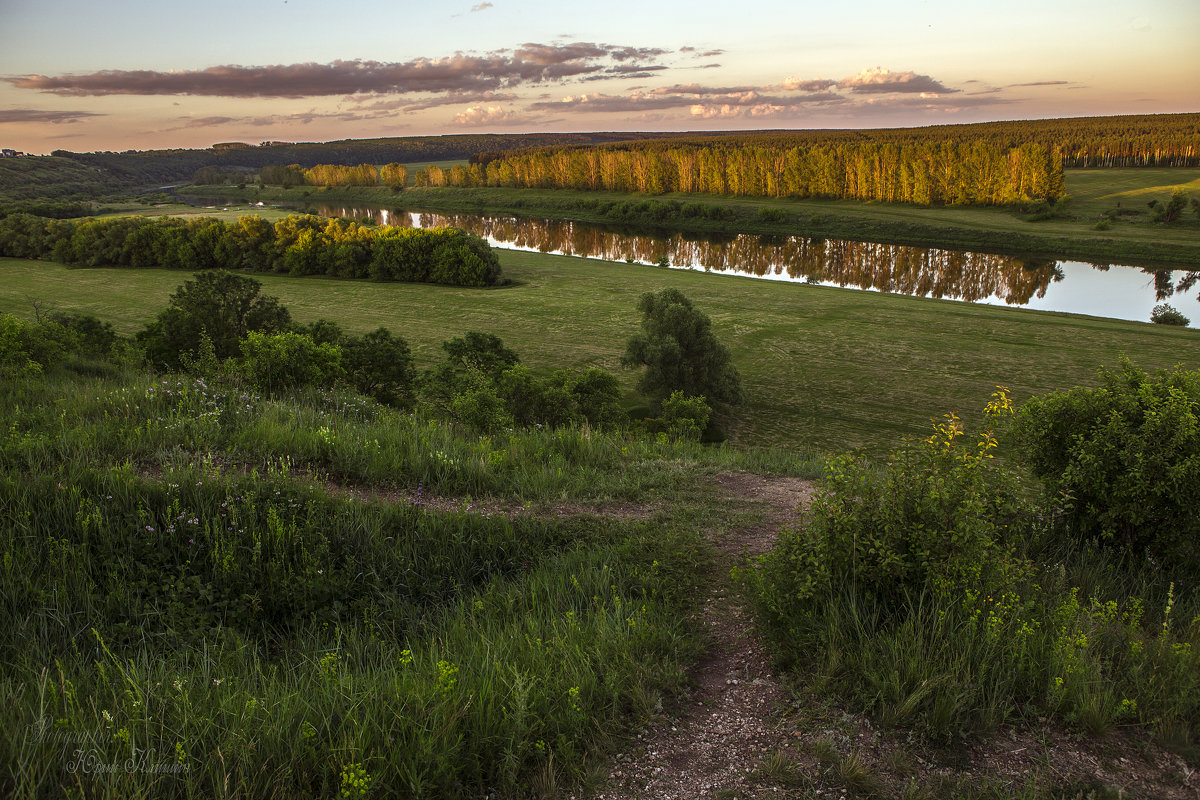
(923, 271)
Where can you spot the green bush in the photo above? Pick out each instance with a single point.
(276, 362)
(1166, 314)
(1124, 457)
(380, 365)
(684, 416)
(934, 520)
(771, 215)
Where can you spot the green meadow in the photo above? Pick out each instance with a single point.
(825, 368)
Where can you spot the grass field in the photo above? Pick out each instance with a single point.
(825, 368)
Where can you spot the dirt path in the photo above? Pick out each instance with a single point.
(740, 735)
(715, 742)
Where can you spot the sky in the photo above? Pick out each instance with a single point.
(128, 74)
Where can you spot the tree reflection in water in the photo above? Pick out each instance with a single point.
(902, 269)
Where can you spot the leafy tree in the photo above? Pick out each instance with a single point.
(1169, 211)
(685, 417)
(223, 305)
(680, 352)
(380, 365)
(481, 351)
(322, 331)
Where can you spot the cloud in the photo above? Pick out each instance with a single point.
(300, 118)
(1041, 83)
(878, 80)
(871, 90)
(531, 63)
(481, 7)
(797, 85)
(15, 115)
(697, 90)
(701, 101)
(477, 116)
(409, 106)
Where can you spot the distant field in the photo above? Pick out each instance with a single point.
(825, 368)
(1098, 190)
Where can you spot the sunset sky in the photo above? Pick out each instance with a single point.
(130, 74)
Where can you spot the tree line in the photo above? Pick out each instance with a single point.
(299, 244)
(924, 172)
(393, 174)
(149, 166)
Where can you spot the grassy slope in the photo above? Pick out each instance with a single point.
(825, 368)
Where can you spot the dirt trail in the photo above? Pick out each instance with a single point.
(714, 742)
(740, 735)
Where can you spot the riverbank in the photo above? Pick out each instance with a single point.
(1115, 199)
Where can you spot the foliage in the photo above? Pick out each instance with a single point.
(1124, 457)
(481, 351)
(1166, 314)
(380, 365)
(95, 337)
(297, 245)
(1171, 210)
(223, 306)
(680, 352)
(276, 362)
(926, 167)
(934, 520)
(483, 384)
(936, 593)
(320, 643)
(683, 416)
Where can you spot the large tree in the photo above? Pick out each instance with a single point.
(680, 352)
(217, 304)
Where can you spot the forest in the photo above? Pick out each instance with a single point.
(929, 173)
(1146, 140)
(984, 164)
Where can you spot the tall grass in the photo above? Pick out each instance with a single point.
(195, 608)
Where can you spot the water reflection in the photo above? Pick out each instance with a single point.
(922, 271)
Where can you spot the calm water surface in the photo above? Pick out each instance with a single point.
(1121, 292)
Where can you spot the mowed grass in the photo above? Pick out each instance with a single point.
(825, 368)
(1099, 190)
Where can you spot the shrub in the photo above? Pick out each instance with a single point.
(684, 416)
(933, 520)
(380, 365)
(1124, 457)
(532, 400)
(276, 362)
(27, 348)
(96, 338)
(1166, 314)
